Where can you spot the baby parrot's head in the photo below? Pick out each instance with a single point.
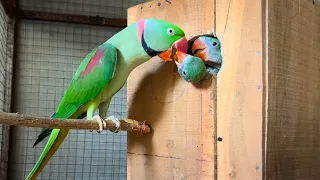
(158, 37)
(190, 68)
(208, 49)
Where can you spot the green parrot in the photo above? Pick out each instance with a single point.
(208, 48)
(104, 72)
(192, 69)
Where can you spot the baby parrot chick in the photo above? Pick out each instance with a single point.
(208, 48)
(190, 68)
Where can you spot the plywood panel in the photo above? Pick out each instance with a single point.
(240, 90)
(181, 114)
(293, 144)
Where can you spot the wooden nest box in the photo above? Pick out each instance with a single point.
(259, 119)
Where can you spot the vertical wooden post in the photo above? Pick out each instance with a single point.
(240, 90)
(293, 82)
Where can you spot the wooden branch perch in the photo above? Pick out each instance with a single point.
(46, 122)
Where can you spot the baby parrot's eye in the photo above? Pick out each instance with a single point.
(170, 31)
(214, 43)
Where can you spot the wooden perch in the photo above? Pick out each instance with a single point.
(15, 119)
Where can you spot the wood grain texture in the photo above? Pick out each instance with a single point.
(293, 136)
(240, 90)
(181, 143)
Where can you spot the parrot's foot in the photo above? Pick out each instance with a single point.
(140, 132)
(101, 122)
(116, 121)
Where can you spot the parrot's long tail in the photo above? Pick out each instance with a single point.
(44, 133)
(47, 131)
(56, 138)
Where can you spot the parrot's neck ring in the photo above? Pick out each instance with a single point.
(151, 52)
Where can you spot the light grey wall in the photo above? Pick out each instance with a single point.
(48, 54)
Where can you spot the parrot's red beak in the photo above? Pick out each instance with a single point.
(179, 46)
(199, 49)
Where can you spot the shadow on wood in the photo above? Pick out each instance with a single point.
(152, 93)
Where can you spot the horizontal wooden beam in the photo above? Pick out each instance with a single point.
(71, 18)
(45, 122)
(9, 7)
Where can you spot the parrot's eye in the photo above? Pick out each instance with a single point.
(170, 31)
(214, 43)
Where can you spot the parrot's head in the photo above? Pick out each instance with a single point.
(190, 68)
(159, 37)
(207, 48)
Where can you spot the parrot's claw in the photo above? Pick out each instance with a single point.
(116, 121)
(101, 122)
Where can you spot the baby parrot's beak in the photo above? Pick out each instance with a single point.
(199, 49)
(180, 45)
(179, 57)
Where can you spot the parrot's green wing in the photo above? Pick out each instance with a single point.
(93, 75)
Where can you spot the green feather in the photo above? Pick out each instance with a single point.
(44, 153)
(82, 89)
(85, 88)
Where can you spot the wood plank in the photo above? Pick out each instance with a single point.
(293, 137)
(181, 145)
(240, 92)
(71, 18)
